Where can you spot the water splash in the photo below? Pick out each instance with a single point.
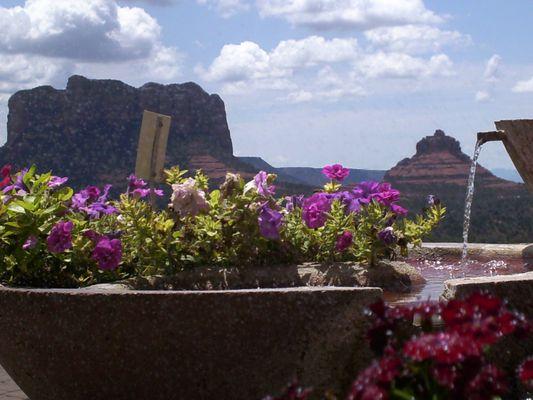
(469, 198)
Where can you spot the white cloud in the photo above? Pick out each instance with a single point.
(329, 86)
(299, 96)
(482, 95)
(239, 64)
(335, 14)
(23, 72)
(85, 30)
(313, 50)
(523, 86)
(399, 65)
(45, 41)
(415, 39)
(492, 70)
(491, 76)
(152, 2)
(226, 8)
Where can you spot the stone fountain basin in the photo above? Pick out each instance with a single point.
(116, 343)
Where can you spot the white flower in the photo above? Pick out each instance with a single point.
(186, 199)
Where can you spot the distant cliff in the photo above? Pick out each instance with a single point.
(439, 158)
(502, 211)
(89, 131)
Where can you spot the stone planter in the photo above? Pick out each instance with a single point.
(114, 343)
(393, 276)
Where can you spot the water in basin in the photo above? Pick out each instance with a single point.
(438, 270)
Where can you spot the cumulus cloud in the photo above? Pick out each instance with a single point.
(226, 8)
(335, 14)
(152, 2)
(247, 61)
(84, 30)
(491, 76)
(340, 68)
(45, 41)
(492, 69)
(414, 39)
(482, 95)
(329, 86)
(22, 72)
(523, 86)
(399, 65)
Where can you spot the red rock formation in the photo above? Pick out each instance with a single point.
(89, 131)
(439, 160)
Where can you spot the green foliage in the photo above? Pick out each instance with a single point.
(241, 224)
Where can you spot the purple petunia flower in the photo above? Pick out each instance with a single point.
(350, 202)
(92, 235)
(142, 193)
(293, 202)
(30, 242)
(138, 188)
(398, 209)
(135, 183)
(269, 222)
(107, 253)
(18, 185)
(60, 237)
(315, 209)
(93, 202)
(386, 195)
(56, 181)
(261, 183)
(344, 241)
(365, 191)
(336, 172)
(387, 236)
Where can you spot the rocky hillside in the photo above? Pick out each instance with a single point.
(89, 131)
(502, 210)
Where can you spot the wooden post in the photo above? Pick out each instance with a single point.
(518, 141)
(152, 148)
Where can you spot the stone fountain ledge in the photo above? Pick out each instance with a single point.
(76, 344)
(393, 276)
(522, 250)
(516, 289)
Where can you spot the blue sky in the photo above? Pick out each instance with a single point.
(305, 82)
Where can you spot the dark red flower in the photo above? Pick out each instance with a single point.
(457, 312)
(485, 303)
(442, 347)
(444, 374)
(5, 176)
(373, 382)
(293, 392)
(525, 373)
(487, 384)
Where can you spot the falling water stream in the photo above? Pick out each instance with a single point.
(469, 198)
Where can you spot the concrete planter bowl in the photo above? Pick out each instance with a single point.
(113, 342)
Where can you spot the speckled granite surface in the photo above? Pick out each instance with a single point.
(202, 345)
(8, 388)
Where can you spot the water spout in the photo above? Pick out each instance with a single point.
(470, 196)
(492, 136)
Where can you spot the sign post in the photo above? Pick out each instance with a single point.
(152, 148)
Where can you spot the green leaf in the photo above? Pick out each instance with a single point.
(65, 194)
(16, 208)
